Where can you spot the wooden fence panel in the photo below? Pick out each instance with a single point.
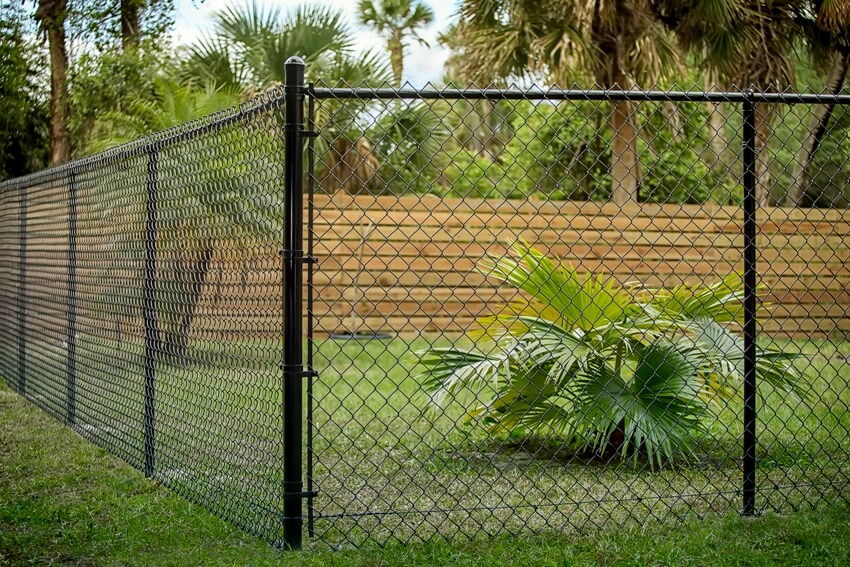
(416, 273)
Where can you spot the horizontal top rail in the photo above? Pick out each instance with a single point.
(271, 99)
(575, 94)
(158, 140)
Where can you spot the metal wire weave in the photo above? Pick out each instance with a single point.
(148, 299)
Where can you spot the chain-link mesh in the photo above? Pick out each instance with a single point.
(141, 303)
(525, 310)
(529, 310)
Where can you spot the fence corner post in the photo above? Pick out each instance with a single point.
(293, 258)
(750, 282)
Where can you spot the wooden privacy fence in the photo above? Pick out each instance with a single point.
(405, 264)
(416, 273)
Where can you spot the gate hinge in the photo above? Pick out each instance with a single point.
(305, 494)
(299, 371)
(297, 255)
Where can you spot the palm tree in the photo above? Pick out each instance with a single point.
(198, 209)
(603, 368)
(749, 43)
(478, 125)
(617, 44)
(396, 21)
(247, 52)
(828, 34)
(51, 15)
(250, 44)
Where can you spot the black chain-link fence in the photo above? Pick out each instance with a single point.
(141, 294)
(520, 309)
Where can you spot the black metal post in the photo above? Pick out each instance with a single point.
(22, 299)
(72, 298)
(311, 157)
(151, 333)
(293, 258)
(749, 306)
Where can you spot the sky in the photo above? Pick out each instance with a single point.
(421, 65)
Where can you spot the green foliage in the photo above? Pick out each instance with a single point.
(166, 105)
(479, 176)
(250, 45)
(196, 207)
(24, 139)
(108, 84)
(96, 24)
(558, 152)
(407, 140)
(830, 187)
(605, 368)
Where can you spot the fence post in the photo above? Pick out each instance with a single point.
(750, 204)
(151, 333)
(22, 300)
(293, 258)
(72, 298)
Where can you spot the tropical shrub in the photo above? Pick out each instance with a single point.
(634, 372)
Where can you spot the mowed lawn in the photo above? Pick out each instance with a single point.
(377, 449)
(64, 501)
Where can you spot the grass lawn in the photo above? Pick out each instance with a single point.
(376, 450)
(66, 501)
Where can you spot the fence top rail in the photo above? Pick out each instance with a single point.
(537, 93)
(225, 118)
(157, 141)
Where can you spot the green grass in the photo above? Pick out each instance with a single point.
(66, 501)
(377, 450)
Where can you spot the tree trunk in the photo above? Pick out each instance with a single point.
(816, 130)
(186, 305)
(616, 441)
(764, 119)
(396, 48)
(624, 159)
(51, 17)
(717, 143)
(130, 23)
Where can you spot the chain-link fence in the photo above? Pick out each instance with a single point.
(141, 294)
(521, 309)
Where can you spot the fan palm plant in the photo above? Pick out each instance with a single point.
(608, 369)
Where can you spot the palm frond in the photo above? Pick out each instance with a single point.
(658, 409)
(583, 302)
(722, 301)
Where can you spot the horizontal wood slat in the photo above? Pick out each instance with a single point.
(417, 271)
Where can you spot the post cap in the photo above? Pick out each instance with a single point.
(295, 60)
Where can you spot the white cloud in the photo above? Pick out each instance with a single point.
(422, 64)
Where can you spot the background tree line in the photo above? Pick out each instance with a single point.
(115, 75)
